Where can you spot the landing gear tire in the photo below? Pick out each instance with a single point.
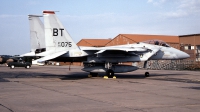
(146, 74)
(110, 73)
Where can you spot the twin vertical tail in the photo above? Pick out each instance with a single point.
(52, 36)
(56, 36)
(37, 38)
(36, 34)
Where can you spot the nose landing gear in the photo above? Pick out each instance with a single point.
(146, 74)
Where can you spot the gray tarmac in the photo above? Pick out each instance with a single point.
(58, 89)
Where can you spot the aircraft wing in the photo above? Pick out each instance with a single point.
(28, 54)
(144, 52)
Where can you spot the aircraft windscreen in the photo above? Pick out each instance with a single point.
(157, 42)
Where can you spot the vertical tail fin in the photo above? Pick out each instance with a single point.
(56, 36)
(37, 36)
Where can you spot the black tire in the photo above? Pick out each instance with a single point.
(12, 67)
(110, 73)
(146, 74)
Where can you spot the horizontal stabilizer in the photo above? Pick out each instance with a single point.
(51, 56)
(28, 54)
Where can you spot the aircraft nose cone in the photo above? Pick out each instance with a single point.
(183, 55)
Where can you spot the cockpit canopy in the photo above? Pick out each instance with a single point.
(157, 42)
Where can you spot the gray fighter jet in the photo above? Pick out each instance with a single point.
(61, 47)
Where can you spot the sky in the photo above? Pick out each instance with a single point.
(98, 19)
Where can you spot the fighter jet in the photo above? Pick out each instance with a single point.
(61, 47)
(6, 58)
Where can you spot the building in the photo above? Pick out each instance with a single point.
(134, 38)
(93, 42)
(191, 45)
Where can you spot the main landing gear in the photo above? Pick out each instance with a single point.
(101, 67)
(109, 71)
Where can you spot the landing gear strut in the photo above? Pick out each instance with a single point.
(145, 66)
(109, 71)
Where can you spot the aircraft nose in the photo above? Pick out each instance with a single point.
(182, 55)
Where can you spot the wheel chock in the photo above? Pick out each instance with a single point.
(105, 77)
(114, 77)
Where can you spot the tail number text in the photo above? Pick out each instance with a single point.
(64, 44)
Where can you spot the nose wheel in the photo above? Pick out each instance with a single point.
(146, 74)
